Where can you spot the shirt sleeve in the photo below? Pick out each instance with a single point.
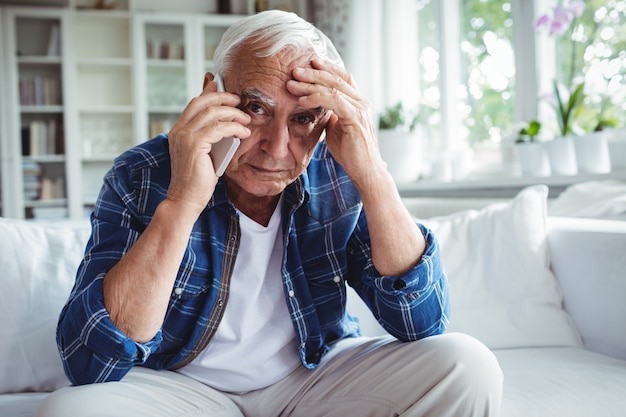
(411, 306)
(92, 348)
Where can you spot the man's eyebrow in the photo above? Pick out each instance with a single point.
(318, 110)
(254, 94)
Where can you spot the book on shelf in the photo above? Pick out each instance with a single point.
(40, 91)
(38, 186)
(158, 49)
(32, 174)
(42, 137)
(158, 126)
(52, 188)
(54, 41)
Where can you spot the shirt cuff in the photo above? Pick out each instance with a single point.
(99, 331)
(421, 277)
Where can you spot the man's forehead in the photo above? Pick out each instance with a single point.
(250, 55)
(258, 78)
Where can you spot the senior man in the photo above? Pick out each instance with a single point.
(202, 295)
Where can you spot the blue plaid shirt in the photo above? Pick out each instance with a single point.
(326, 246)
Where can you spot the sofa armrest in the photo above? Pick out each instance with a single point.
(588, 257)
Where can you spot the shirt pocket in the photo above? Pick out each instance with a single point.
(188, 300)
(190, 284)
(324, 272)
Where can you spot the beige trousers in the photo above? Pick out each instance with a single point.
(440, 376)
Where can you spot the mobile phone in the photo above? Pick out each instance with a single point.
(223, 151)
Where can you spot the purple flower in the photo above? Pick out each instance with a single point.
(577, 7)
(542, 21)
(561, 18)
(561, 21)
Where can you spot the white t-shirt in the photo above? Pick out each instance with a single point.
(254, 344)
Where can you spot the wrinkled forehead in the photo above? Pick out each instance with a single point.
(262, 79)
(249, 59)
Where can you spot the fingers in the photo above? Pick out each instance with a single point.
(213, 115)
(327, 85)
(350, 129)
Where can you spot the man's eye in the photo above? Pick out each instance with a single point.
(303, 119)
(255, 108)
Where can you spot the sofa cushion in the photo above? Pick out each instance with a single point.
(563, 382)
(38, 264)
(21, 404)
(501, 287)
(588, 260)
(601, 199)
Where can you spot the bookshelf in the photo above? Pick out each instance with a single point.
(36, 135)
(173, 53)
(81, 85)
(211, 28)
(164, 69)
(105, 114)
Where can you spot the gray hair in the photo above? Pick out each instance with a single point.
(273, 31)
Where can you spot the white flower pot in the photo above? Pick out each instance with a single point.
(402, 151)
(562, 155)
(617, 148)
(592, 153)
(617, 154)
(533, 159)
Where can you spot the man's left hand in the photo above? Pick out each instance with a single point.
(350, 133)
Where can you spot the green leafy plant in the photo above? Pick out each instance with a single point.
(606, 118)
(529, 132)
(567, 108)
(398, 117)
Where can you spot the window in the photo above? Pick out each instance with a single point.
(484, 67)
(593, 50)
(486, 91)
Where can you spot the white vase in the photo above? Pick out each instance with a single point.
(562, 155)
(533, 159)
(402, 151)
(617, 149)
(617, 154)
(592, 153)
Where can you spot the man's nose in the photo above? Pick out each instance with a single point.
(276, 139)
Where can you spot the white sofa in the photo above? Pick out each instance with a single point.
(512, 269)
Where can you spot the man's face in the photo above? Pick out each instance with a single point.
(284, 134)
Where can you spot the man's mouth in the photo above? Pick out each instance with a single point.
(267, 171)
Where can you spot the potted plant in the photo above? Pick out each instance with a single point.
(399, 142)
(568, 107)
(591, 149)
(397, 117)
(531, 154)
(608, 126)
(529, 133)
(561, 150)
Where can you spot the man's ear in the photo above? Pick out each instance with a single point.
(208, 77)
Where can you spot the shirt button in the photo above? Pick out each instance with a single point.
(178, 291)
(291, 293)
(220, 302)
(337, 279)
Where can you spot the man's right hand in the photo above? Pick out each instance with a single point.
(207, 119)
(138, 288)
